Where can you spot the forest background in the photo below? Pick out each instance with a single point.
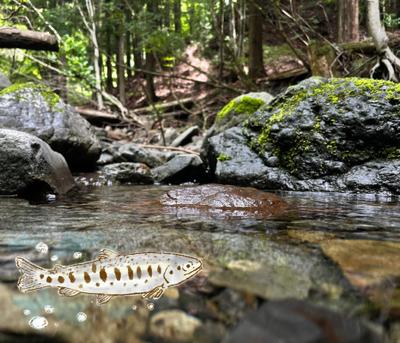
(125, 57)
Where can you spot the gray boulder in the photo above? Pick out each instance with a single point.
(128, 172)
(29, 167)
(179, 169)
(37, 110)
(320, 135)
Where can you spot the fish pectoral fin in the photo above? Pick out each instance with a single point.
(67, 292)
(102, 299)
(107, 253)
(155, 293)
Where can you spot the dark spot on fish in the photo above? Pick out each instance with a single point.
(150, 271)
(71, 277)
(124, 283)
(103, 274)
(145, 281)
(130, 273)
(48, 279)
(179, 267)
(97, 284)
(80, 286)
(135, 285)
(60, 279)
(139, 272)
(171, 272)
(111, 283)
(117, 273)
(94, 268)
(159, 269)
(86, 277)
(41, 276)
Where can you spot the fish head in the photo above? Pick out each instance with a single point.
(182, 268)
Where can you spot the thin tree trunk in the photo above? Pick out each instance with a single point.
(256, 59)
(128, 46)
(121, 64)
(348, 21)
(177, 16)
(167, 13)
(109, 67)
(221, 39)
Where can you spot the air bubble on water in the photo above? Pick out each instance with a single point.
(27, 312)
(150, 306)
(81, 317)
(49, 309)
(42, 248)
(54, 258)
(77, 255)
(38, 322)
(50, 197)
(134, 307)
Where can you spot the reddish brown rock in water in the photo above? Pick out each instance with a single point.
(238, 201)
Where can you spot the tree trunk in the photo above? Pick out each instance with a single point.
(221, 32)
(121, 64)
(128, 46)
(387, 58)
(177, 16)
(256, 59)
(32, 40)
(109, 67)
(167, 13)
(348, 21)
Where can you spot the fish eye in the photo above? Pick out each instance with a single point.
(188, 265)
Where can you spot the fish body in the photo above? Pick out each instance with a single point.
(111, 274)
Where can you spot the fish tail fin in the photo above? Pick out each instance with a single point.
(29, 280)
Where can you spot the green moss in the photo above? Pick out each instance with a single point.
(333, 91)
(243, 105)
(48, 95)
(222, 157)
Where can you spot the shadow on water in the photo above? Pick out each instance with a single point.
(247, 259)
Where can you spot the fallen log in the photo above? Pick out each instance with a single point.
(164, 106)
(92, 114)
(11, 37)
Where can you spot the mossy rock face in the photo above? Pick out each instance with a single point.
(37, 110)
(239, 109)
(320, 135)
(326, 126)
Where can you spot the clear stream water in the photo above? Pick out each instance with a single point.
(129, 219)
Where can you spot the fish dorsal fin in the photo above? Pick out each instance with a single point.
(102, 299)
(58, 268)
(107, 253)
(67, 292)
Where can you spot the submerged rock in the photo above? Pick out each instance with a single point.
(37, 110)
(29, 167)
(231, 200)
(371, 266)
(320, 135)
(126, 172)
(294, 321)
(173, 326)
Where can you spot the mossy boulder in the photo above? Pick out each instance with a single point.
(37, 110)
(319, 135)
(239, 109)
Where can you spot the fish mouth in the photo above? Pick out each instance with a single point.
(193, 272)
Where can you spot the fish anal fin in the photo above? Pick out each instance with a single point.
(102, 299)
(107, 253)
(155, 293)
(67, 292)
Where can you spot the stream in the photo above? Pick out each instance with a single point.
(300, 253)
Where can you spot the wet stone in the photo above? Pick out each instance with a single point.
(126, 172)
(294, 321)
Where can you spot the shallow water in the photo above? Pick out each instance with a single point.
(273, 258)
